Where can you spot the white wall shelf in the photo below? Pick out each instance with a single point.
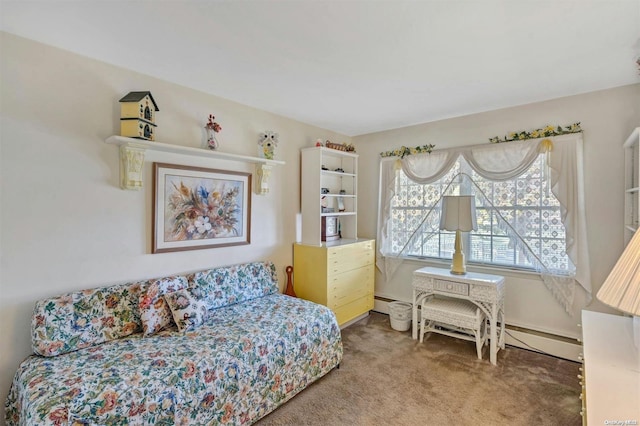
(132, 153)
(338, 214)
(339, 174)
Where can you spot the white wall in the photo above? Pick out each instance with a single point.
(66, 224)
(607, 118)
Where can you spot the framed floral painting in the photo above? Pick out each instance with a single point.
(198, 208)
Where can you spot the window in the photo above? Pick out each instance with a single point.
(522, 223)
(519, 219)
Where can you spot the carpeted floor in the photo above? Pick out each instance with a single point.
(386, 378)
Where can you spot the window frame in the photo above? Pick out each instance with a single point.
(445, 238)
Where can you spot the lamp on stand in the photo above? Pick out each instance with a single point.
(458, 214)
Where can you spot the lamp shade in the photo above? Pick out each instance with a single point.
(458, 213)
(621, 290)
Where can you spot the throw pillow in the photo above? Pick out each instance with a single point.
(154, 312)
(188, 312)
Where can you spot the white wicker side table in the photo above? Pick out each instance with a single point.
(483, 290)
(456, 318)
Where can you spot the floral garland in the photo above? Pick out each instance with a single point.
(547, 131)
(403, 151)
(538, 133)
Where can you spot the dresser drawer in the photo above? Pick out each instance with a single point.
(353, 309)
(346, 282)
(349, 286)
(348, 257)
(443, 286)
(337, 302)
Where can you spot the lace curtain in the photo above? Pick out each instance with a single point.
(499, 162)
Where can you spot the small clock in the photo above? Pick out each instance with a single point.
(330, 228)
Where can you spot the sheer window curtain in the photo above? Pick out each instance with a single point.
(500, 162)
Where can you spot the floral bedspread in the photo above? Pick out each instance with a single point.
(246, 360)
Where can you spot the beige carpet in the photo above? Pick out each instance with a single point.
(386, 378)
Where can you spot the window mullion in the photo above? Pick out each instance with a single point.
(515, 210)
(466, 236)
(540, 211)
(491, 218)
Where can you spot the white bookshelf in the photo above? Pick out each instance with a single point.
(631, 184)
(318, 170)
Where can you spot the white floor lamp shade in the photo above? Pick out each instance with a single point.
(458, 214)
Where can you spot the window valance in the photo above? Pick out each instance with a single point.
(491, 161)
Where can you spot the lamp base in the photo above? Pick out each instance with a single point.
(458, 266)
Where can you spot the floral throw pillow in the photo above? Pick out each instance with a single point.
(188, 312)
(154, 312)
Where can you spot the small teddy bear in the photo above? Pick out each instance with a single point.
(267, 144)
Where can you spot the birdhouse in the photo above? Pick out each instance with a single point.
(138, 115)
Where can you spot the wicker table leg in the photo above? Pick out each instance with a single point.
(493, 348)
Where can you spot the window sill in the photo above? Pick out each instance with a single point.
(474, 267)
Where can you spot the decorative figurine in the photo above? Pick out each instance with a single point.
(341, 200)
(212, 128)
(289, 291)
(267, 144)
(137, 115)
(318, 142)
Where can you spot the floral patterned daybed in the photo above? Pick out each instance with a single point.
(113, 355)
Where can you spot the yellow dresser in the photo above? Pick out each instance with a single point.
(339, 275)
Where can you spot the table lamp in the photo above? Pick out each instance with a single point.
(458, 214)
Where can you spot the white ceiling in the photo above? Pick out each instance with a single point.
(354, 67)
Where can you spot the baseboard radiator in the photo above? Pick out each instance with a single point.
(551, 344)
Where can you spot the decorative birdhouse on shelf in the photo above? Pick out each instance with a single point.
(138, 116)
